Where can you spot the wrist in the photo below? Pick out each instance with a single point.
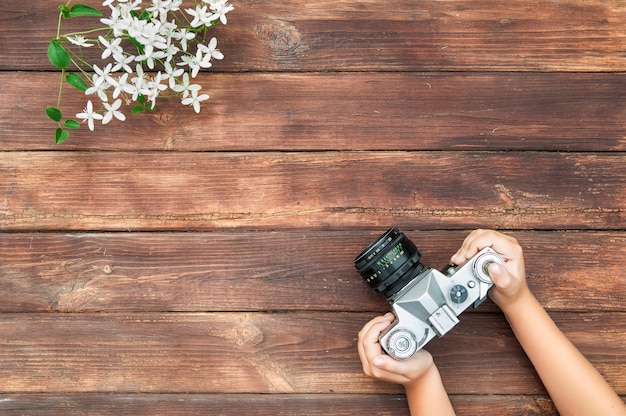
(427, 395)
(517, 305)
(429, 376)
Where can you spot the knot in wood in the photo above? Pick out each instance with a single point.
(245, 334)
(280, 36)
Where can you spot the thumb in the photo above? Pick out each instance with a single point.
(500, 276)
(384, 363)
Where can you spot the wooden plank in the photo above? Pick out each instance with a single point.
(564, 35)
(269, 353)
(257, 271)
(207, 191)
(398, 111)
(263, 405)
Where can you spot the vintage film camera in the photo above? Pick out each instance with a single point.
(426, 302)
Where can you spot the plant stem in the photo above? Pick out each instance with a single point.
(60, 88)
(99, 29)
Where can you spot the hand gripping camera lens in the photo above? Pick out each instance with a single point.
(401, 344)
(458, 294)
(481, 265)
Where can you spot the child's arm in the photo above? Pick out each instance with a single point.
(419, 375)
(575, 386)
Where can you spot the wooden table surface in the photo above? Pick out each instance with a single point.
(193, 264)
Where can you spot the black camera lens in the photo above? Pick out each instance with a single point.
(389, 263)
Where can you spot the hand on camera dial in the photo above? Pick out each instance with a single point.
(510, 280)
(419, 375)
(383, 367)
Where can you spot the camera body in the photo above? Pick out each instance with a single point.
(425, 301)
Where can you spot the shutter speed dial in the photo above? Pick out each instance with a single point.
(458, 294)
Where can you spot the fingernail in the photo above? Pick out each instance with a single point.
(494, 268)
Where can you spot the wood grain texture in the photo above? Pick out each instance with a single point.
(345, 111)
(269, 353)
(405, 35)
(276, 271)
(187, 264)
(140, 191)
(263, 405)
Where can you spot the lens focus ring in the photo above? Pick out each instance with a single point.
(389, 263)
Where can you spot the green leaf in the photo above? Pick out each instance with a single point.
(76, 81)
(54, 114)
(61, 135)
(72, 124)
(65, 11)
(84, 10)
(141, 99)
(138, 109)
(57, 55)
(140, 47)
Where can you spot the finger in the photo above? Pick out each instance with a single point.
(368, 345)
(506, 246)
(500, 276)
(386, 368)
(503, 244)
(403, 371)
(461, 254)
(377, 321)
(506, 285)
(369, 338)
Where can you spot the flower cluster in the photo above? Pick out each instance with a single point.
(146, 50)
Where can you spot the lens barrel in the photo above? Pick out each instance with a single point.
(389, 263)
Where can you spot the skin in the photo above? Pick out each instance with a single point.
(575, 386)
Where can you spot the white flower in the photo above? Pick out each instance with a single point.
(110, 48)
(80, 41)
(210, 49)
(100, 85)
(149, 58)
(167, 28)
(172, 73)
(89, 115)
(220, 8)
(162, 33)
(183, 36)
(201, 16)
(147, 33)
(195, 100)
(104, 73)
(195, 62)
(139, 84)
(170, 51)
(154, 88)
(112, 111)
(110, 2)
(185, 87)
(163, 7)
(114, 18)
(134, 5)
(123, 62)
(121, 85)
